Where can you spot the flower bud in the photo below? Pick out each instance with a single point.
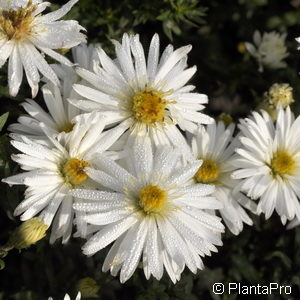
(225, 118)
(88, 287)
(27, 234)
(280, 95)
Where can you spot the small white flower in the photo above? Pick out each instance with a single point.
(269, 50)
(60, 117)
(151, 93)
(67, 297)
(54, 168)
(215, 146)
(61, 114)
(23, 30)
(269, 162)
(155, 213)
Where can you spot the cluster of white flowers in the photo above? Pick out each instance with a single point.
(124, 153)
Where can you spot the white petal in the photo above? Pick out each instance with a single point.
(15, 72)
(107, 235)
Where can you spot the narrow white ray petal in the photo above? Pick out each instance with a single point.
(42, 65)
(60, 58)
(155, 264)
(104, 179)
(96, 195)
(30, 68)
(107, 235)
(153, 57)
(15, 72)
(57, 14)
(142, 156)
(5, 52)
(133, 258)
(183, 174)
(104, 218)
(176, 56)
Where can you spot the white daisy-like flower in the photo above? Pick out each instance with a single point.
(151, 93)
(67, 297)
(24, 30)
(215, 146)
(59, 118)
(269, 161)
(55, 168)
(154, 213)
(269, 50)
(61, 114)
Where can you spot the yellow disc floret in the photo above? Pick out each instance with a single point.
(152, 199)
(282, 163)
(148, 106)
(67, 127)
(208, 172)
(73, 171)
(17, 24)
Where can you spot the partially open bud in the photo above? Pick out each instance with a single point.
(225, 118)
(88, 287)
(27, 234)
(280, 95)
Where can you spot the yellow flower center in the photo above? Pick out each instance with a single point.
(67, 127)
(73, 171)
(208, 172)
(17, 24)
(282, 163)
(152, 199)
(148, 106)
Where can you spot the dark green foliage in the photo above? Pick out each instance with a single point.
(264, 253)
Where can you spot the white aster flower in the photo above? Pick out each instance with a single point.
(269, 161)
(57, 167)
(60, 117)
(269, 50)
(215, 146)
(151, 93)
(67, 297)
(155, 213)
(61, 114)
(23, 30)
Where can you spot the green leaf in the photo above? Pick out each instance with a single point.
(2, 264)
(3, 119)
